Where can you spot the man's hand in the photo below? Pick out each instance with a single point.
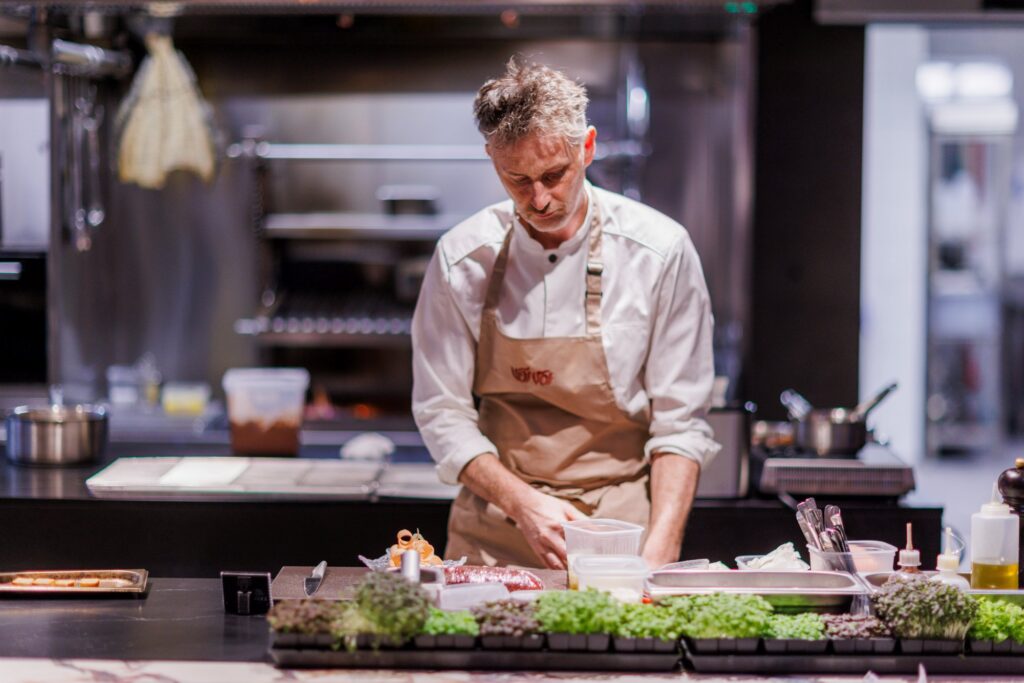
(540, 519)
(538, 516)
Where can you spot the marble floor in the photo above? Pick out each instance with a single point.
(115, 671)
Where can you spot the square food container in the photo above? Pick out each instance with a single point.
(867, 556)
(621, 575)
(599, 536)
(265, 409)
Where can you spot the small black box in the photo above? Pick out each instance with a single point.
(246, 593)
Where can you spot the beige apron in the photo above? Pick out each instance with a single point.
(548, 406)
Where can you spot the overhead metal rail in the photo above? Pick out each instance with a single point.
(71, 58)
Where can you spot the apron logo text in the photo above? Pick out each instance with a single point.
(527, 374)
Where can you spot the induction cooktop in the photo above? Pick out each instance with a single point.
(875, 471)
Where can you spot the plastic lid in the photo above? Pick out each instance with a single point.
(947, 563)
(236, 377)
(602, 526)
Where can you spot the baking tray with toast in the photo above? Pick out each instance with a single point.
(74, 582)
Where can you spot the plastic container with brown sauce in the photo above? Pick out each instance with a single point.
(265, 408)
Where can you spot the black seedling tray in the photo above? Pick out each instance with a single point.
(531, 642)
(622, 644)
(578, 642)
(445, 642)
(863, 646)
(852, 664)
(477, 659)
(987, 647)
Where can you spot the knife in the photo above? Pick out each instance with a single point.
(311, 584)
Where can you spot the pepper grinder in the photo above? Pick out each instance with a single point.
(1011, 488)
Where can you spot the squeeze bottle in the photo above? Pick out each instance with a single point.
(948, 564)
(910, 559)
(994, 545)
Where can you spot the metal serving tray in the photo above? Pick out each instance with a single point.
(876, 579)
(786, 591)
(110, 581)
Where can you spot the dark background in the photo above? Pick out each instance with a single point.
(807, 208)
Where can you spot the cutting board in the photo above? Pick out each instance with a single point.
(234, 476)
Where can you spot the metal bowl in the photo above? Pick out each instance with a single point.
(58, 435)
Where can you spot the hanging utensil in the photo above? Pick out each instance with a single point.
(798, 406)
(76, 212)
(95, 214)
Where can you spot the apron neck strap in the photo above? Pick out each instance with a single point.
(595, 267)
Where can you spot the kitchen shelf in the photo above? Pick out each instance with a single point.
(332, 226)
(277, 151)
(351, 319)
(327, 332)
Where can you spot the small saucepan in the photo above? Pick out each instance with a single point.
(831, 431)
(56, 435)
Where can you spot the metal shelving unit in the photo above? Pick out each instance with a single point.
(360, 226)
(967, 193)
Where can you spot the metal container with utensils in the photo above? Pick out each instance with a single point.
(56, 436)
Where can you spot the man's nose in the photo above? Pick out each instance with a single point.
(541, 196)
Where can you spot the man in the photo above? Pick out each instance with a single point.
(580, 322)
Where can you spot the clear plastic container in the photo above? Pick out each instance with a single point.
(867, 556)
(600, 536)
(265, 409)
(462, 596)
(621, 575)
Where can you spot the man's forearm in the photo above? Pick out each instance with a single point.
(673, 486)
(488, 478)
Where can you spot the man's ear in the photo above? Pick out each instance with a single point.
(589, 145)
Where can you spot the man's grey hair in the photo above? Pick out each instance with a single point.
(531, 98)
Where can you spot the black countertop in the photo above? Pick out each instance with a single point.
(178, 619)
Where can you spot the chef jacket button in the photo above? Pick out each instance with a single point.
(552, 258)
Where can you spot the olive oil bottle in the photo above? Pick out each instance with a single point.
(985, 575)
(994, 545)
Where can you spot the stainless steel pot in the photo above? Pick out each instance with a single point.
(831, 431)
(58, 435)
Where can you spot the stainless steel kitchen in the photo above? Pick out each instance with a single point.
(384, 339)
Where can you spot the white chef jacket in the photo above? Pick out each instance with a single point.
(656, 323)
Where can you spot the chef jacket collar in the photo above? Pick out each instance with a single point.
(525, 243)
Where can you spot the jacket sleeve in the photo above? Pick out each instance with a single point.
(444, 356)
(680, 369)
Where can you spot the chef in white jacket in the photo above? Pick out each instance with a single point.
(562, 352)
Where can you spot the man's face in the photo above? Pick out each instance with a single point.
(544, 174)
